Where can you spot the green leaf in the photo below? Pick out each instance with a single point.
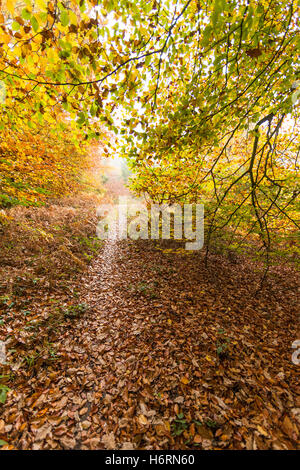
(3, 393)
(64, 18)
(81, 119)
(3, 443)
(34, 24)
(26, 14)
(15, 26)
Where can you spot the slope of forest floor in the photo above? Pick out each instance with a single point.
(148, 349)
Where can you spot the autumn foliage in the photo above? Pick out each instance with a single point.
(37, 165)
(153, 347)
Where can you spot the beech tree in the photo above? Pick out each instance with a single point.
(205, 94)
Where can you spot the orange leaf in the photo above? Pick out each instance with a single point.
(184, 380)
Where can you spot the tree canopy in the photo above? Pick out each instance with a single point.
(202, 95)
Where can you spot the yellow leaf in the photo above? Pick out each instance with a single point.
(42, 4)
(262, 431)
(10, 5)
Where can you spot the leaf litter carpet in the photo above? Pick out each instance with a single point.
(169, 355)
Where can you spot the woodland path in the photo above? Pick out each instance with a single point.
(149, 343)
(142, 368)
